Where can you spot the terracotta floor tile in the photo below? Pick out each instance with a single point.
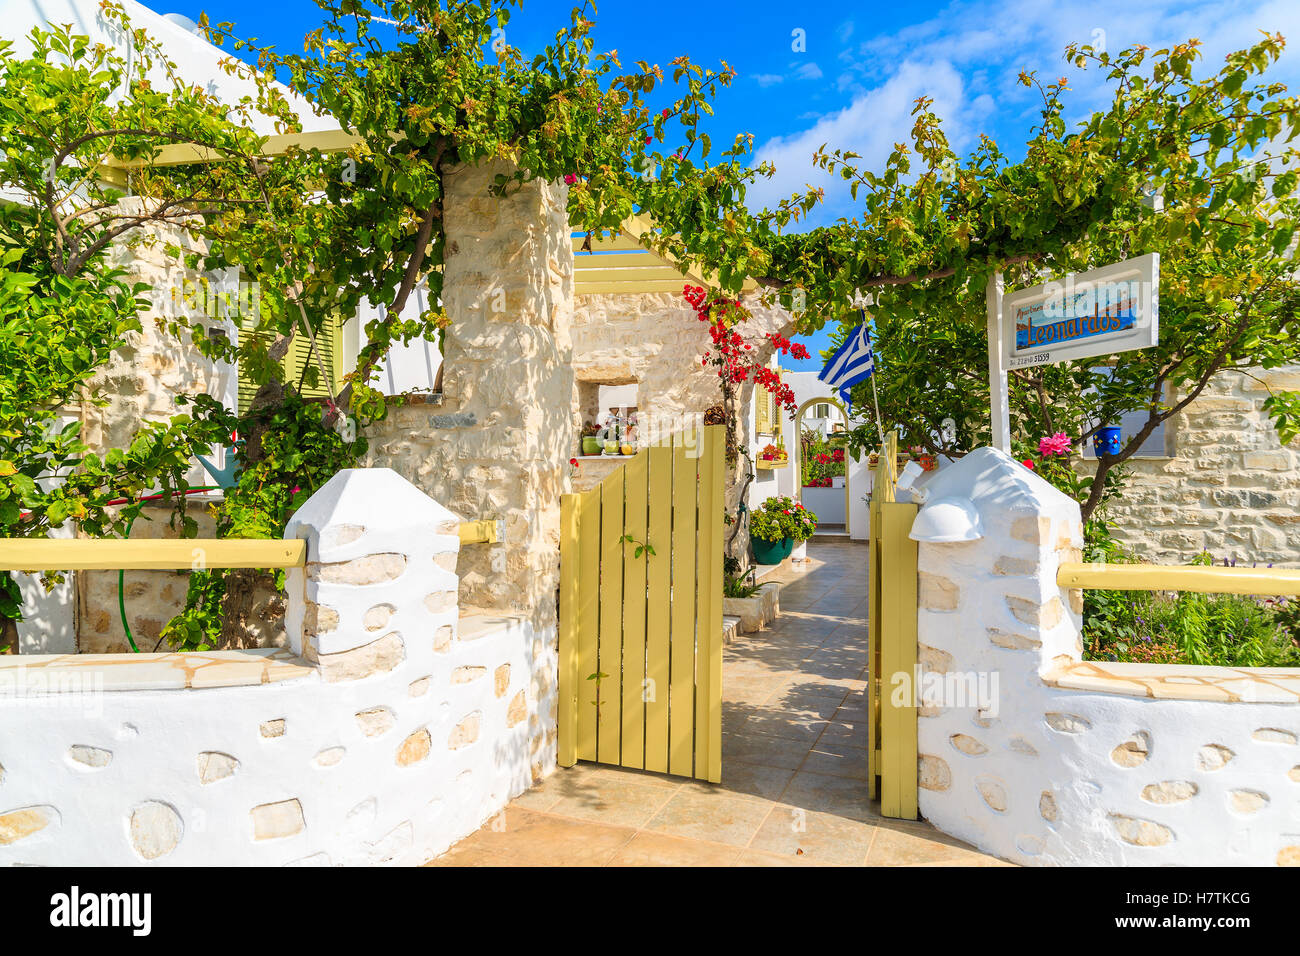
(774, 723)
(764, 858)
(764, 750)
(748, 780)
(823, 793)
(906, 845)
(852, 764)
(541, 838)
(824, 838)
(658, 849)
(718, 817)
(626, 801)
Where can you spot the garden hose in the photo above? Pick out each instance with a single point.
(121, 572)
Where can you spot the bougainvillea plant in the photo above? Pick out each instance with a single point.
(736, 357)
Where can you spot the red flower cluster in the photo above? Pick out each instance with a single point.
(729, 346)
(837, 455)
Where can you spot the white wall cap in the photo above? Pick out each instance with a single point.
(377, 499)
(995, 482)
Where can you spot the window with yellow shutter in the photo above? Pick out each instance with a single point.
(299, 358)
(762, 411)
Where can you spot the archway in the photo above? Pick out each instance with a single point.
(844, 517)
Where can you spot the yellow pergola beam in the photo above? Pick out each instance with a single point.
(183, 154)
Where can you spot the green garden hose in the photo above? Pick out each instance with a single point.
(121, 572)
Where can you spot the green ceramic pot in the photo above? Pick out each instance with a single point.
(590, 445)
(771, 552)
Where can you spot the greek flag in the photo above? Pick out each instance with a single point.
(852, 362)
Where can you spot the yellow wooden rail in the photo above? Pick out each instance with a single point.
(186, 554)
(148, 554)
(1158, 577)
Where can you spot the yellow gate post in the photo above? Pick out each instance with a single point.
(891, 648)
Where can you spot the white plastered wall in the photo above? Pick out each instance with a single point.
(1045, 776)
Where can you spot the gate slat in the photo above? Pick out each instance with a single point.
(898, 796)
(659, 579)
(708, 665)
(681, 693)
(567, 754)
(588, 626)
(636, 478)
(609, 656)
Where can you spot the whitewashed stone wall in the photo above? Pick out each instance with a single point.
(655, 340)
(1045, 776)
(410, 732)
(498, 445)
(1229, 485)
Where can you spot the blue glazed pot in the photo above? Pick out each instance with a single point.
(1106, 441)
(771, 552)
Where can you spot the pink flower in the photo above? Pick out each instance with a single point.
(1058, 444)
(570, 179)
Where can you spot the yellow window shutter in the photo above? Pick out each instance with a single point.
(328, 340)
(762, 411)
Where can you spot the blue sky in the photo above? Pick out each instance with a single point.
(852, 80)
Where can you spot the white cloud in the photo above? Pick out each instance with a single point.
(869, 126)
(767, 79)
(809, 71)
(967, 59)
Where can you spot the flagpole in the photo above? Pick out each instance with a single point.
(875, 396)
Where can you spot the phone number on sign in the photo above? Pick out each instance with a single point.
(1020, 361)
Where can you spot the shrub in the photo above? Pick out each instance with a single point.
(782, 517)
(1183, 627)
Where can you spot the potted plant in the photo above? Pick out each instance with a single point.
(776, 525)
(590, 441)
(772, 456)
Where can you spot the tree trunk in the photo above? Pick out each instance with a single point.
(8, 635)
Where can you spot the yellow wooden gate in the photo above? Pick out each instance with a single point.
(891, 648)
(640, 639)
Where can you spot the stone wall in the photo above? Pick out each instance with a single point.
(498, 444)
(655, 341)
(1019, 763)
(1229, 485)
(405, 729)
(140, 383)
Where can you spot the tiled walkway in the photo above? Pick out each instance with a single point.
(793, 788)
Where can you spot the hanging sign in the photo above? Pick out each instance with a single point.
(1086, 314)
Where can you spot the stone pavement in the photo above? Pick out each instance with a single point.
(794, 762)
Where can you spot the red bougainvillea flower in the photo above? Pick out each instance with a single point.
(570, 179)
(1028, 464)
(837, 455)
(1058, 444)
(649, 140)
(667, 113)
